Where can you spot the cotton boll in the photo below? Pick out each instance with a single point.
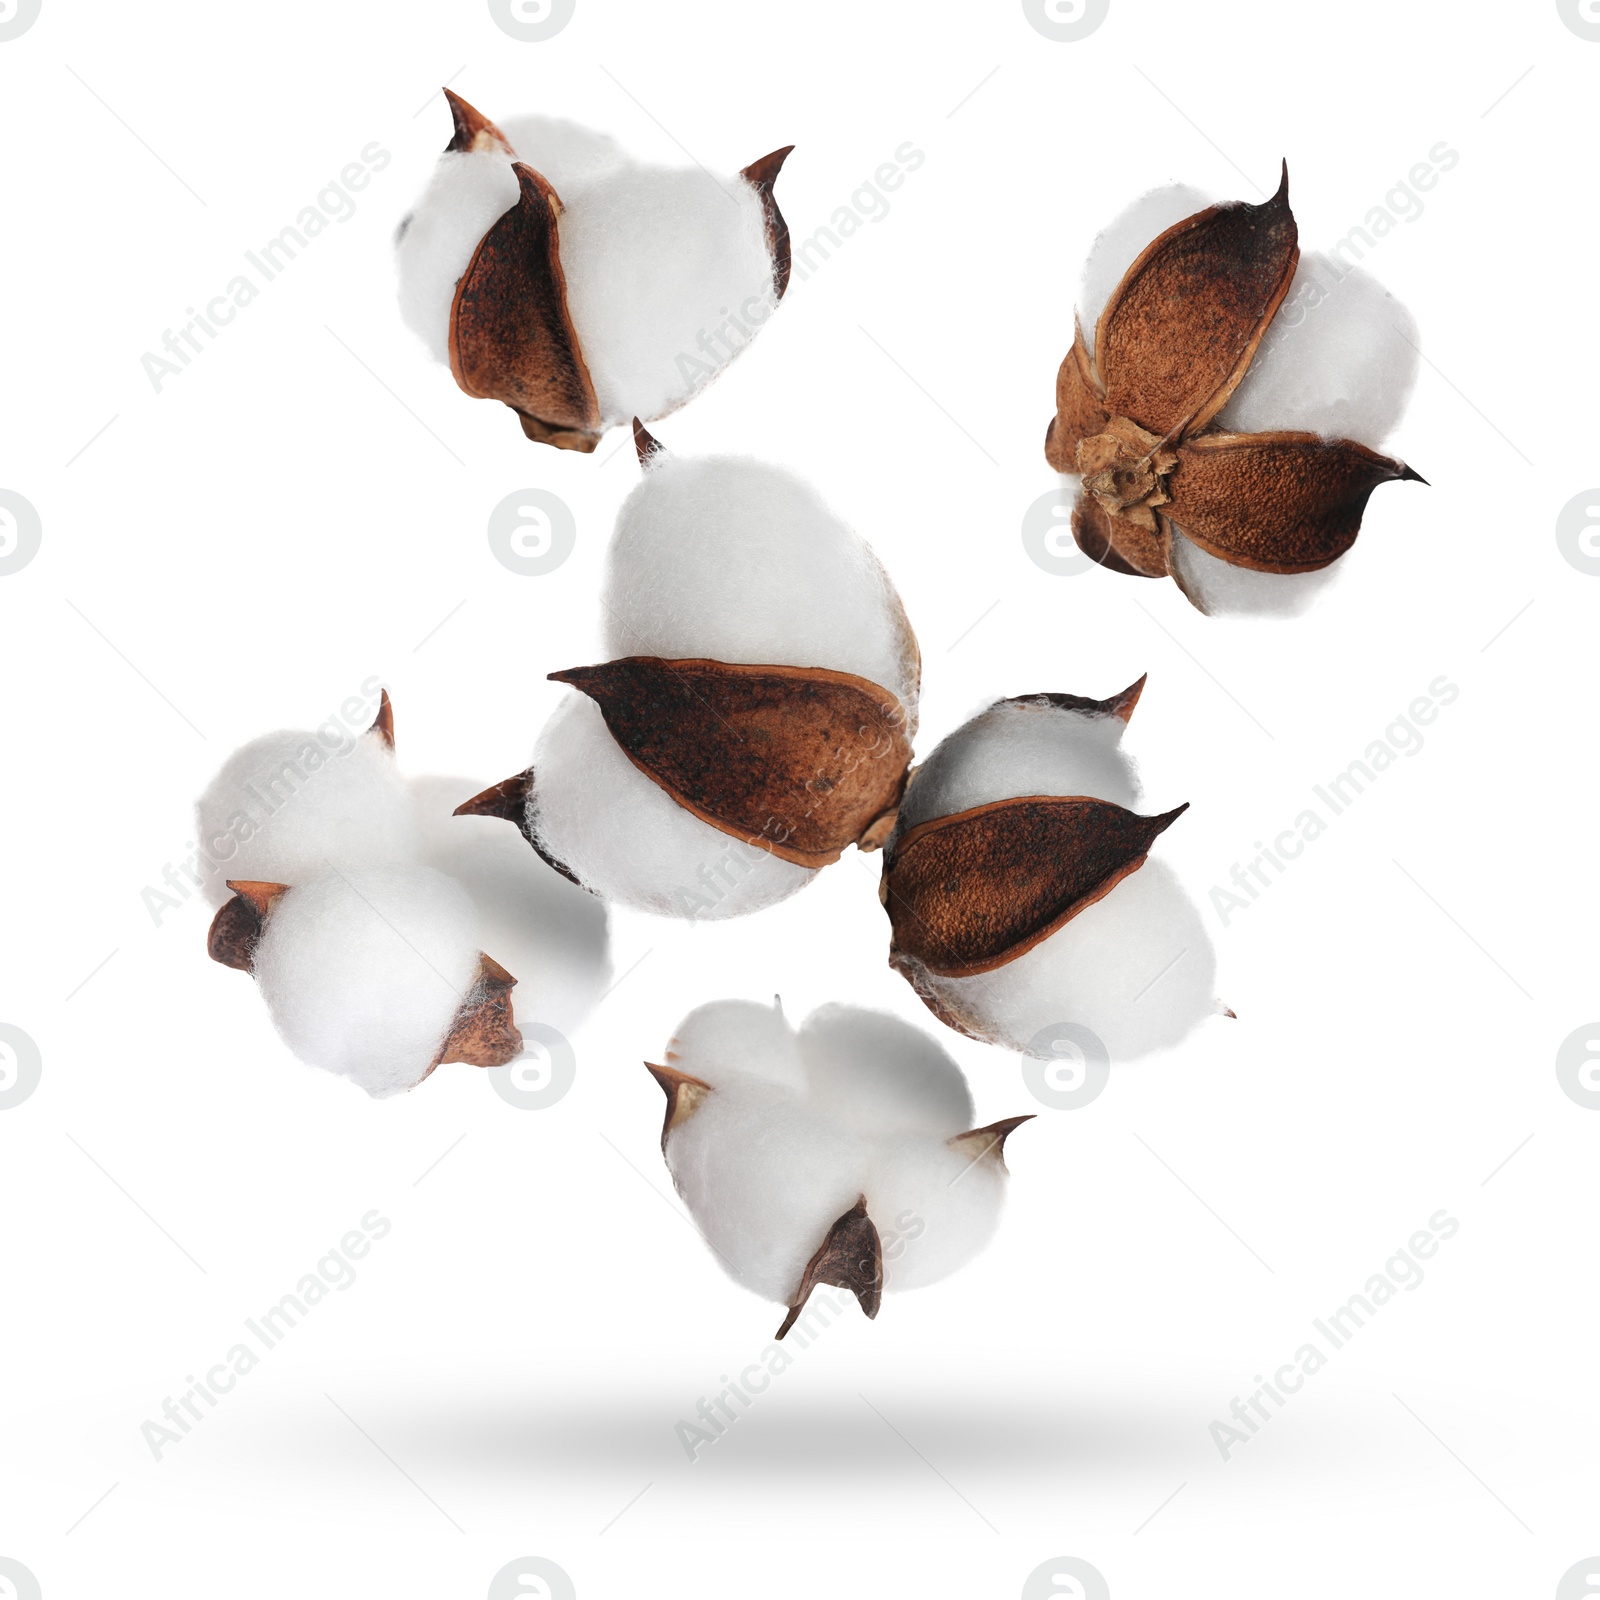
(936, 1207)
(882, 1076)
(1223, 590)
(468, 192)
(307, 806)
(765, 1177)
(732, 1039)
(731, 559)
(566, 153)
(1022, 748)
(631, 842)
(669, 276)
(363, 973)
(1123, 241)
(1136, 968)
(550, 934)
(1340, 359)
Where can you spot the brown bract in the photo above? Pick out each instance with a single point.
(508, 799)
(511, 333)
(850, 1257)
(802, 761)
(484, 1032)
(237, 927)
(970, 892)
(1133, 419)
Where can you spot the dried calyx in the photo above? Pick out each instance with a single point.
(799, 762)
(840, 1154)
(975, 889)
(1135, 418)
(512, 335)
(1014, 888)
(479, 1030)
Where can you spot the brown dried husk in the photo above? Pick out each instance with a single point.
(512, 337)
(1173, 343)
(970, 892)
(802, 761)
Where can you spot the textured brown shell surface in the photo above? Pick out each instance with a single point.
(1275, 502)
(484, 1032)
(237, 927)
(1080, 413)
(1181, 328)
(1119, 543)
(799, 760)
(511, 336)
(850, 1257)
(972, 891)
(762, 176)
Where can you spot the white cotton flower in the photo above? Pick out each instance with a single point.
(1132, 964)
(1229, 434)
(720, 565)
(842, 1154)
(658, 276)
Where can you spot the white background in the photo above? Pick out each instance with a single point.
(306, 505)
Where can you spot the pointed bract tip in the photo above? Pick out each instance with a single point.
(1283, 182)
(1411, 475)
(507, 799)
(850, 1257)
(259, 894)
(473, 130)
(646, 444)
(684, 1093)
(989, 1143)
(383, 723)
(236, 929)
(1167, 818)
(764, 173)
(1121, 705)
(492, 974)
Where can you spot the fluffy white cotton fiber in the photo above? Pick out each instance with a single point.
(797, 1129)
(1136, 967)
(733, 559)
(880, 1076)
(548, 933)
(1017, 748)
(1221, 589)
(292, 806)
(669, 276)
(728, 559)
(468, 192)
(765, 1175)
(630, 841)
(363, 972)
(566, 154)
(1338, 359)
(668, 271)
